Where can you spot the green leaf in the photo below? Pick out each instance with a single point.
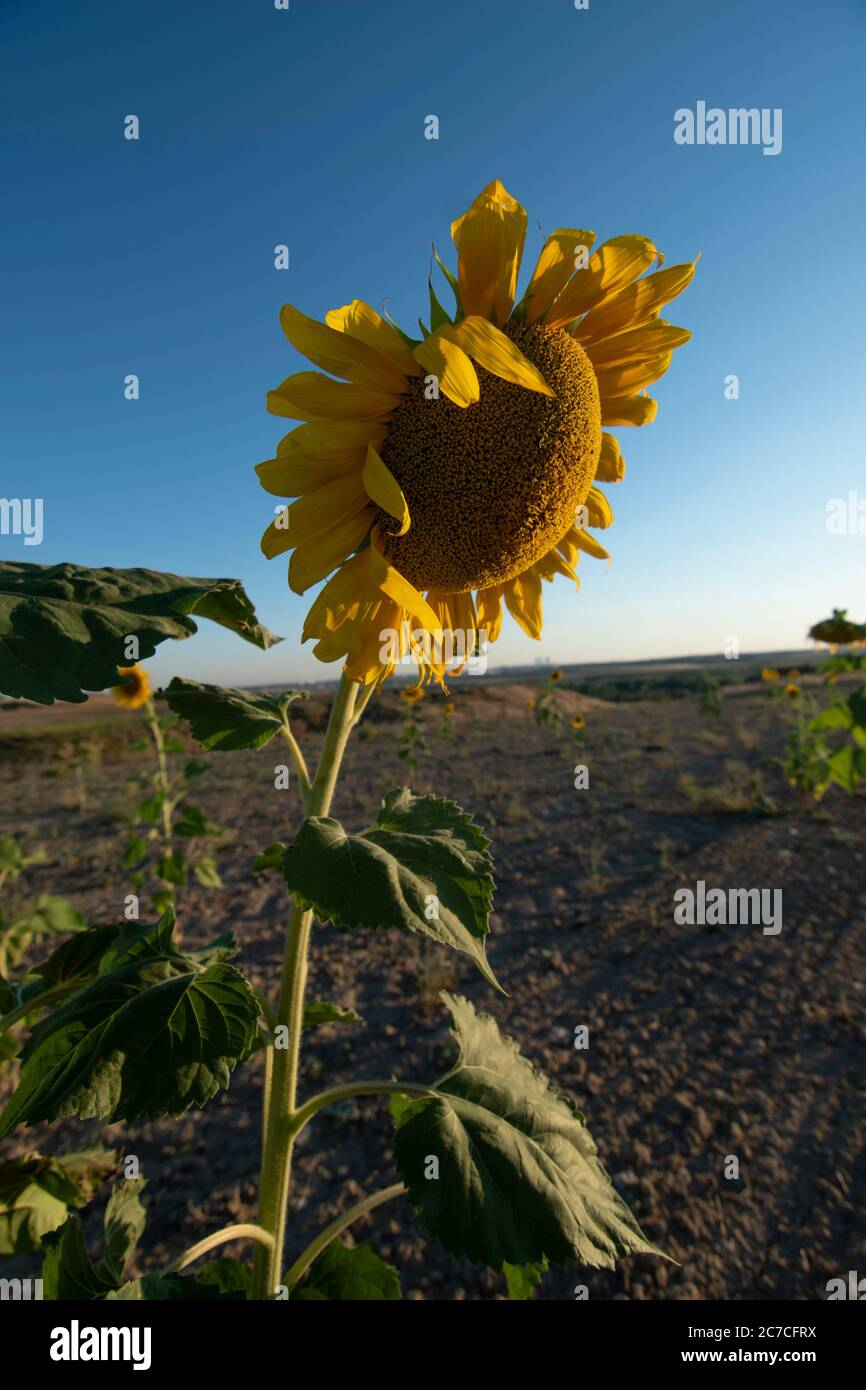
(270, 858)
(35, 1196)
(397, 1103)
(846, 766)
(518, 1177)
(148, 810)
(64, 628)
(171, 869)
(194, 768)
(193, 821)
(136, 849)
(159, 1288)
(207, 873)
(66, 1270)
(835, 716)
(124, 1224)
(51, 916)
(226, 1274)
(151, 1035)
(89, 1168)
(346, 1273)
(422, 867)
(175, 745)
(317, 1013)
(11, 856)
(223, 947)
(224, 718)
(522, 1280)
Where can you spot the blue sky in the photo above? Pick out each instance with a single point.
(306, 127)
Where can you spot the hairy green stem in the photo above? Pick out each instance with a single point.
(163, 778)
(300, 763)
(240, 1232)
(282, 1092)
(336, 1228)
(305, 1112)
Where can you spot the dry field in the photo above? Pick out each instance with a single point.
(704, 1042)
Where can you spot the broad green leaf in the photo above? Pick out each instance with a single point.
(226, 1274)
(67, 1273)
(195, 768)
(224, 718)
(523, 1280)
(171, 869)
(35, 1197)
(223, 947)
(123, 1224)
(422, 867)
(13, 859)
(148, 810)
(348, 1273)
(50, 916)
(836, 716)
(846, 766)
(64, 628)
(317, 1013)
(89, 1168)
(193, 821)
(518, 1177)
(151, 1035)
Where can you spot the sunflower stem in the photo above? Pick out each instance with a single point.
(281, 1097)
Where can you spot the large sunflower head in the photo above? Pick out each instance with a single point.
(136, 688)
(437, 478)
(838, 631)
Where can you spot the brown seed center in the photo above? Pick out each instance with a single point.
(493, 487)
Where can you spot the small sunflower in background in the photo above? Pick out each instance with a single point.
(770, 673)
(137, 689)
(792, 690)
(411, 694)
(578, 721)
(555, 676)
(438, 479)
(530, 704)
(793, 674)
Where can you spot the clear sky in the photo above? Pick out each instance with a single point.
(306, 127)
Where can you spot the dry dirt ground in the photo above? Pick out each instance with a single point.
(704, 1042)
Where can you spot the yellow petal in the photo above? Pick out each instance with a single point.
(490, 348)
(489, 239)
(488, 605)
(314, 559)
(611, 464)
(456, 375)
(633, 376)
(636, 302)
(523, 601)
(340, 353)
(614, 265)
(315, 512)
(628, 410)
(651, 339)
(311, 396)
(361, 321)
(332, 439)
(554, 269)
(584, 541)
(383, 489)
(599, 509)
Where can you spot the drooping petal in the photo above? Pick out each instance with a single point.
(361, 321)
(611, 464)
(488, 607)
(614, 265)
(455, 374)
(555, 267)
(523, 601)
(632, 376)
(489, 238)
(652, 339)
(599, 509)
(488, 346)
(383, 489)
(315, 557)
(628, 410)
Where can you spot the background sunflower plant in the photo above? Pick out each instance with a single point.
(437, 481)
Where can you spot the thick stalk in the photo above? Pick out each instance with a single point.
(278, 1133)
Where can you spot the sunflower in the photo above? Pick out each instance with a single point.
(578, 721)
(838, 631)
(136, 691)
(770, 673)
(412, 693)
(438, 479)
(554, 677)
(792, 690)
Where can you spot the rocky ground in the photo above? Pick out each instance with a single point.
(705, 1042)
